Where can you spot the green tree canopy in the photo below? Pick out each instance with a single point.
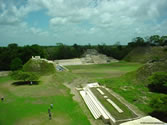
(155, 39)
(163, 40)
(24, 76)
(12, 46)
(16, 64)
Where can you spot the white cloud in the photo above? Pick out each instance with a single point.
(58, 21)
(105, 20)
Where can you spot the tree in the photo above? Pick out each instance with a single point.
(158, 82)
(16, 64)
(12, 46)
(155, 40)
(24, 76)
(159, 108)
(139, 41)
(163, 40)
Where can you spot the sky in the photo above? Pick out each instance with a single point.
(47, 22)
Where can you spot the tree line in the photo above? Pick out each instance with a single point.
(13, 56)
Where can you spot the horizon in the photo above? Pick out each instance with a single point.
(94, 22)
(62, 43)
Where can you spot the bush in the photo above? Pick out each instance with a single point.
(159, 108)
(158, 82)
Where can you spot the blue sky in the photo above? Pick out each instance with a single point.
(47, 22)
(38, 19)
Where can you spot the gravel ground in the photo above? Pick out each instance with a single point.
(4, 73)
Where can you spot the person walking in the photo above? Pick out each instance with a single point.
(51, 106)
(49, 110)
(50, 116)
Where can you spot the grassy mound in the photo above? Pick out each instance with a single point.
(149, 68)
(39, 66)
(145, 54)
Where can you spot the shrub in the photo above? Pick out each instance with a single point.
(159, 108)
(158, 82)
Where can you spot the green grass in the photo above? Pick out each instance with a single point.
(134, 91)
(25, 104)
(21, 108)
(118, 116)
(100, 71)
(29, 104)
(122, 78)
(4, 79)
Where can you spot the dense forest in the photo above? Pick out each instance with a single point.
(14, 55)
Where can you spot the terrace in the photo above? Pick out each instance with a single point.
(104, 105)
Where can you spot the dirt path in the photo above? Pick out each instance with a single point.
(77, 84)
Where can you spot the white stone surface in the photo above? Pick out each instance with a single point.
(105, 97)
(66, 62)
(102, 109)
(39, 58)
(90, 85)
(94, 105)
(50, 61)
(147, 120)
(115, 106)
(36, 57)
(89, 105)
(101, 92)
(79, 89)
(97, 104)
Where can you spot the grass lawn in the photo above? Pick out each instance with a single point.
(24, 105)
(126, 114)
(100, 71)
(120, 77)
(4, 79)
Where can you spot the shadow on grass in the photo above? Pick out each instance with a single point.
(19, 83)
(160, 115)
